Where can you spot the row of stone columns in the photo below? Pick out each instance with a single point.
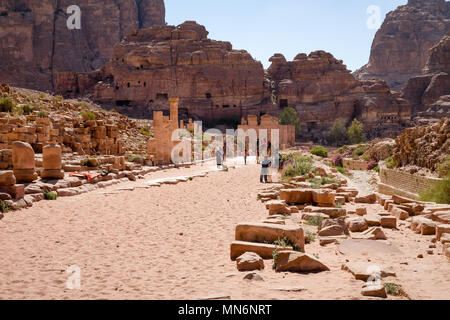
(24, 168)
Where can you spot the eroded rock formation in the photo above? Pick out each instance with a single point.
(428, 93)
(322, 89)
(36, 42)
(211, 79)
(401, 45)
(424, 146)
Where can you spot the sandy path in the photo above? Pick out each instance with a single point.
(172, 242)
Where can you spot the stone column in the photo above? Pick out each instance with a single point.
(23, 162)
(52, 162)
(174, 110)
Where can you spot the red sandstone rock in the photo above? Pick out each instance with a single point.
(154, 64)
(400, 48)
(36, 42)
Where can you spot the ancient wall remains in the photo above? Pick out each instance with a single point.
(398, 182)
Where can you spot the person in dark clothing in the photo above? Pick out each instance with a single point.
(265, 164)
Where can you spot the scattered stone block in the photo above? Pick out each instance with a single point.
(428, 228)
(249, 261)
(292, 261)
(265, 251)
(399, 213)
(324, 198)
(378, 291)
(296, 196)
(331, 212)
(357, 224)
(442, 229)
(278, 207)
(388, 222)
(361, 211)
(373, 221)
(370, 199)
(261, 232)
(374, 233)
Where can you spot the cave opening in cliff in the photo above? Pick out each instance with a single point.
(284, 103)
(162, 96)
(311, 126)
(208, 95)
(123, 103)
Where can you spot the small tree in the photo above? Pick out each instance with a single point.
(289, 116)
(338, 132)
(356, 132)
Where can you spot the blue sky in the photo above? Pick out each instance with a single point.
(265, 27)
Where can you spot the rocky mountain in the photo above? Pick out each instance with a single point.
(37, 43)
(429, 94)
(322, 89)
(401, 46)
(212, 80)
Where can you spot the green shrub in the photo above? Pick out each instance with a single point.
(438, 192)
(27, 109)
(359, 151)
(338, 132)
(134, 158)
(356, 132)
(50, 195)
(314, 221)
(145, 131)
(41, 95)
(341, 170)
(42, 114)
(444, 168)
(391, 163)
(88, 115)
(342, 149)
(6, 105)
(4, 206)
(310, 236)
(289, 116)
(320, 152)
(302, 166)
(275, 255)
(392, 289)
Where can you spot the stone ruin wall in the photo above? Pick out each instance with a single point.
(397, 182)
(269, 123)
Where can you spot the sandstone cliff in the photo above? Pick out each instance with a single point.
(36, 42)
(322, 89)
(401, 46)
(428, 93)
(212, 80)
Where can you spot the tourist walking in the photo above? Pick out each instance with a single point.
(265, 164)
(219, 155)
